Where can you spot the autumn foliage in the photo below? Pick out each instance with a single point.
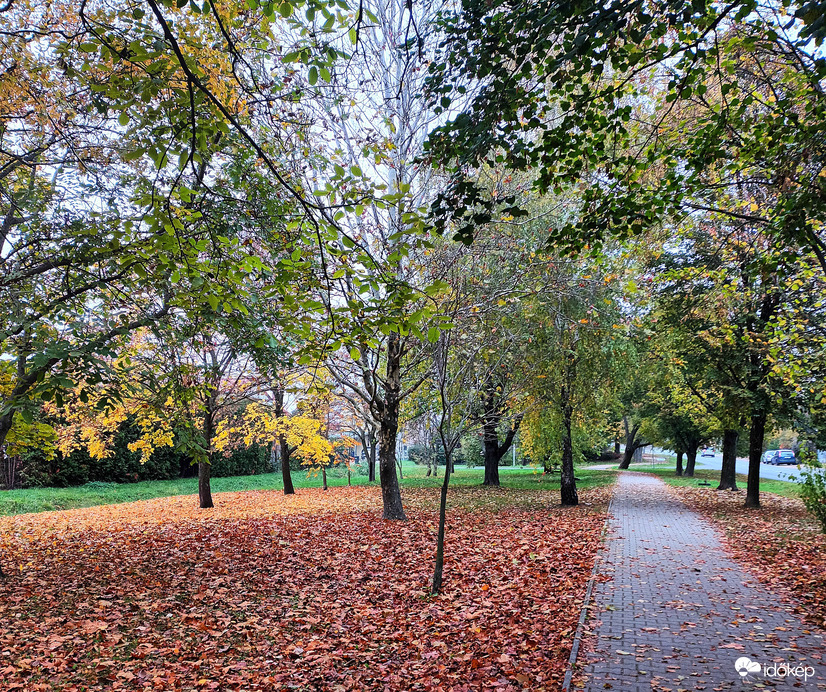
(312, 591)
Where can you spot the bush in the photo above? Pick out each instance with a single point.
(813, 488)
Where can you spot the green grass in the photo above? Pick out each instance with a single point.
(784, 488)
(48, 499)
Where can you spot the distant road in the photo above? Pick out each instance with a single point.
(781, 473)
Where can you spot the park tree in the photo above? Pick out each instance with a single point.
(651, 109)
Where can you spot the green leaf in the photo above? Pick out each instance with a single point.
(355, 354)
(313, 76)
(123, 118)
(433, 335)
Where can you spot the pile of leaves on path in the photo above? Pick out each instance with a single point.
(308, 592)
(781, 542)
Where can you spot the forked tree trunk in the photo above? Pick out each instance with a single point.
(632, 444)
(757, 433)
(728, 473)
(691, 459)
(567, 480)
(679, 470)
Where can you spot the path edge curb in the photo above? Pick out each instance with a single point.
(583, 613)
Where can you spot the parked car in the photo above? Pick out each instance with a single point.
(768, 455)
(707, 452)
(782, 456)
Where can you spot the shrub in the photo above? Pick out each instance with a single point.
(813, 487)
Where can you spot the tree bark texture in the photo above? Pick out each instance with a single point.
(440, 541)
(204, 489)
(388, 432)
(728, 473)
(567, 480)
(632, 444)
(691, 459)
(679, 470)
(757, 433)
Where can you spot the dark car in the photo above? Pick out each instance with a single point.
(782, 456)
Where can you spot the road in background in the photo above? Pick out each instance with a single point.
(779, 473)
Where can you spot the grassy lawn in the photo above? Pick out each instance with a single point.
(784, 488)
(92, 494)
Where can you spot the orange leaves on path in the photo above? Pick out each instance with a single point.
(781, 542)
(306, 592)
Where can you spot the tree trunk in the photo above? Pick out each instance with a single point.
(6, 421)
(204, 489)
(679, 471)
(440, 541)
(388, 431)
(371, 461)
(631, 444)
(756, 435)
(390, 492)
(616, 444)
(691, 459)
(567, 480)
(324, 478)
(286, 474)
(728, 473)
(491, 458)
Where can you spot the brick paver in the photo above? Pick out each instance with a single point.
(677, 611)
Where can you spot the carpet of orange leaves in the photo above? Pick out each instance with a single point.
(780, 542)
(309, 592)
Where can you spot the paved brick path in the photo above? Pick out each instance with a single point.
(677, 611)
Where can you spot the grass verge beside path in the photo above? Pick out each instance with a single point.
(93, 494)
(780, 542)
(784, 488)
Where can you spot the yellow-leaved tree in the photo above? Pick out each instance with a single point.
(260, 423)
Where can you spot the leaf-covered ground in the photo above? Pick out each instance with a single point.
(781, 542)
(308, 592)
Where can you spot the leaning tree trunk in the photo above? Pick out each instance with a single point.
(567, 480)
(631, 445)
(691, 459)
(6, 421)
(757, 433)
(286, 473)
(679, 470)
(728, 473)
